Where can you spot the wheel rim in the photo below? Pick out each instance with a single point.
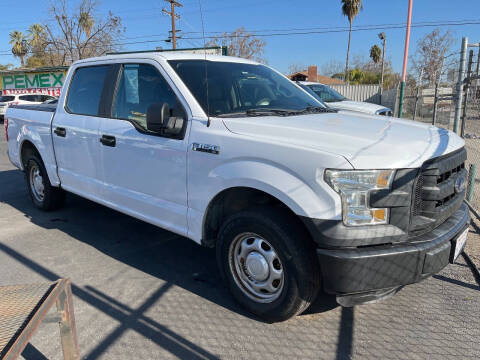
(256, 267)
(36, 183)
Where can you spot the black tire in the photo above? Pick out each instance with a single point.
(53, 197)
(295, 250)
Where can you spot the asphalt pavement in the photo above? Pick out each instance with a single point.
(144, 293)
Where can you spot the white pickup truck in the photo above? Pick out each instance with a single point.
(335, 100)
(295, 197)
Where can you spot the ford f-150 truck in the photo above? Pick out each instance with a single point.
(294, 196)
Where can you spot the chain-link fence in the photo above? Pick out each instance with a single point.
(470, 130)
(431, 104)
(436, 104)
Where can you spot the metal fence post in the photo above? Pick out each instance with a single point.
(435, 104)
(416, 103)
(459, 88)
(472, 172)
(465, 90)
(477, 72)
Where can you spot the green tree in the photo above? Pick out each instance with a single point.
(350, 9)
(375, 54)
(19, 45)
(36, 36)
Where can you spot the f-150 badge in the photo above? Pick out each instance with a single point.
(212, 149)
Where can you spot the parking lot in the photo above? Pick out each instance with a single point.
(142, 292)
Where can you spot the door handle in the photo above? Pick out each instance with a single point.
(108, 140)
(59, 131)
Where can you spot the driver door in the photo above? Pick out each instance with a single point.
(145, 173)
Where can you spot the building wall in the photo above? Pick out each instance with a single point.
(368, 93)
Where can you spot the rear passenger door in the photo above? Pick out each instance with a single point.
(75, 132)
(145, 172)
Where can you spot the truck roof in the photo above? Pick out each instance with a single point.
(167, 55)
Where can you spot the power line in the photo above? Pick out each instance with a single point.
(291, 33)
(304, 31)
(318, 30)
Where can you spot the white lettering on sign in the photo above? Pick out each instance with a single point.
(42, 91)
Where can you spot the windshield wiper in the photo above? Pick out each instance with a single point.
(317, 109)
(279, 112)
(260, 112)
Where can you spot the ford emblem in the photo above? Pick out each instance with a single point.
(460, 183)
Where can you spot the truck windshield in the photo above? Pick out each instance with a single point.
(326, 93)
(239, 88)
(310, 91)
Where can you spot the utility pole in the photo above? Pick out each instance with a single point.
(171, 13)
(405, 58)
(383, 37)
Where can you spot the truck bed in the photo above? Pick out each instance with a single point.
(32, 123)
(36, 107)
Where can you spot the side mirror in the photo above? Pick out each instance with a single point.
(159, 120)
(156, 114)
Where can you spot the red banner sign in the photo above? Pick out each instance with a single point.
(40, 91)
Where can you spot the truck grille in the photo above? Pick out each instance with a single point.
(435, 197)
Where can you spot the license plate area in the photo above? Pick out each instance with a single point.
(458, 244)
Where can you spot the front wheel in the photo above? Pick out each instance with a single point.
(268, 263)
(43, 194)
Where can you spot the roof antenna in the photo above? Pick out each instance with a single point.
(206, 68)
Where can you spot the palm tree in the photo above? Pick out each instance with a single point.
(36, 32)
(350, 9)
(375, 54)
(19, 45)
(86, 23)
(36, 38)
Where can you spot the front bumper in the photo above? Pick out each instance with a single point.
(373, 268)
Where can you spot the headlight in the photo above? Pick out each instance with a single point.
(354, 187)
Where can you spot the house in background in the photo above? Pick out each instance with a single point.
(312, 75)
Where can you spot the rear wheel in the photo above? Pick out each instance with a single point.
(43, 194)
(268, 263)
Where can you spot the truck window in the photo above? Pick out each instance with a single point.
(7, 98)
(326, 93)
(140, 86)
(86, 89)
(31, 98)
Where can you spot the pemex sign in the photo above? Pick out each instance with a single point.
(33, 82)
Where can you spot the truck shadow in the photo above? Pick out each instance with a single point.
(160, 253)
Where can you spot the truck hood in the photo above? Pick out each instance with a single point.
(367, 142)
(359, 106)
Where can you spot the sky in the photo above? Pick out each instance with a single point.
(321, 19)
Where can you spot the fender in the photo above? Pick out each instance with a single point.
(303, 197)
